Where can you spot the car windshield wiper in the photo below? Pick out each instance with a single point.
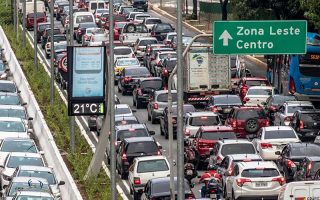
(4, 90)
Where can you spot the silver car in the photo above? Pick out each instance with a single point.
(158, 102)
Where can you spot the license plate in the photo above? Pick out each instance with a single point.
(189, 172)
(279, 147)
(227, 110)
(213, 196)
(261, 184)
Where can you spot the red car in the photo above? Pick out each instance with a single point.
(246, 121)
(117, 28)
(205, 139)
(247, 82)
(41, 17)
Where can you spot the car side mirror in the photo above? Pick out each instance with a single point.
(41, 152)
(61, 183)
(24, 104)
(19, 91)
(152, 132)
(278, 153)
(133, 110)
(30, 118)
(7, 70)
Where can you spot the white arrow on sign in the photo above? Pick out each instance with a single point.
(225, 36)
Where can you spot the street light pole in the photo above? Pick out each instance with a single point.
(14, 15)
(24, 23)
(71, 118)
(52, 54)
(35, 43)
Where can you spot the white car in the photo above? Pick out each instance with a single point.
(123, 52)
(138, 18)
(98, 39)
(33, 194)
(285, 112)
(256, 95)
(271, 140)
(145, 168)
(254, 179)
(16, 111)
(14, 127)
(57, 46)
(13, 160)
(151, 21)
(123, 110)
(132, 14)
(98, 12)
(300, 190)
(194, 120)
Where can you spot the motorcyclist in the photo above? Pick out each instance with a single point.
(207, 177)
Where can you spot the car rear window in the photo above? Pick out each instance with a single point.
(142, 71)
(126, 122)
(263, 172)
(204, 121)
(281, 99)
(152, 166)
(43, 26)
(145, 147)
(305, 150)
(146, 42)
(59, 38)
(164, 187)
(279, 134)
(252, 113)
(7, 87)
(121, 111)
(163, 27)
(131, 133)
(171, 64)
(238, 148)
(84, 18)
(164, 97)
(227, 100)
(310, 117)
(9, 100)
(151, 84)
(218, 135)
(88, 25)
(122, 51)
(266, 92)
(186, 109)
(153, 21)
(256, 82)
(168, 55)
(292, 109)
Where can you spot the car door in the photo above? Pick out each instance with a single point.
(278, 115)
(283, 157)
(119, 153)
(256, 141)
(223, 168)
(147, 192)
(132, 171)
(230, 179)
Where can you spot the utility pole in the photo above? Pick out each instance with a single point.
(71, 118)
(14, 15)
(24, 23)
(52, 54)
(35, 42)
(17, 17)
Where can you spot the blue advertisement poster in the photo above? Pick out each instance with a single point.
(88, 73)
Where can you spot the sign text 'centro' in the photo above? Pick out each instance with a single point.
(260, 37)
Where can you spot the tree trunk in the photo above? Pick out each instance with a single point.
(195, 9)
(224, 10)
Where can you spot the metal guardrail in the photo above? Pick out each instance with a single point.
(69, 191)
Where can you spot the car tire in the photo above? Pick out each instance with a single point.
(161, 131)
(153, 121)
(47, 56)
(123, 175)
(251, 125)
(135, 195)
(138, 105)
(149, 118)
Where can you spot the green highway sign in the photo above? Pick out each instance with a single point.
(259, 37)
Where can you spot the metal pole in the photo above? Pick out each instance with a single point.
(52, 55)
(112, 104)
(274, 70)
(14, 15)
(17, 16)
(160, 3)
(35, 43)
(281, 58)
(24, 23)
(180, 135)
(72, 119)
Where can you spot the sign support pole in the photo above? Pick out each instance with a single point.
(52, 54)
(71, 118)
(24, 23)
(35, 43)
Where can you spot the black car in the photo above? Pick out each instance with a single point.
(41, 27)
(222, 104)
(143, 90)
(60, 9)
(151, 52)
(81, 30)
(160, 30)
(274, 102)
(291, 155)
(159, 188)
(46, 33)
(140, 5)
(131, 148)
(129, 76)
(164, 120)
(307, 169)
(306, 124)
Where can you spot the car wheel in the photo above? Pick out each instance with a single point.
(251, 125)
(135, 195)
(47, 56)
(153, 121)
(138, 105)
(123, 92)
(161, 131)
(149, 118)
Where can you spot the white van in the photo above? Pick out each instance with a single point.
(93, 5)
(30, 7)
(21, 4)
(300, 190)
(82, 17)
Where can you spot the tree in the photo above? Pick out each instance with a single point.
(224, 10)
(312, 13)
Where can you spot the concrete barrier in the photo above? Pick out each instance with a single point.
(69, 191)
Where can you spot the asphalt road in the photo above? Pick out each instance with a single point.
(141, 113)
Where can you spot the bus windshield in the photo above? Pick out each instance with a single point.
(307, 64)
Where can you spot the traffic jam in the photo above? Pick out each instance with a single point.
(243, 138)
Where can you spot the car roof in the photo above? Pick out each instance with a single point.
(11, 119)
(144, 158)
(35, 168)
(298, 103)
(6, 81)
(165, 52)
(244, 156)
(8, 94)
(164, 91)
(216, 128)
(121, 118)
(234, 141)
(25, 154)
(126, 59)
(260, 87)
(34, 193)
(257, 164)
(302, 144)
(17, 139)
(201, 114)
(150, 79)
(224, 96)
(147, 38)
(248, 108)
(313, 158)
(27, 179)
(139, 139)
(309, 111)
(130, 126)
(122, 105)
(122, 47)
(274, 128)
(254, 78)
(16, 107)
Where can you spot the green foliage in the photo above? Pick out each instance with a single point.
(56, 115)
(312, 11)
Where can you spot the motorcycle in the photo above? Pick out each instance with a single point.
(190, 172)
(212, 189)
(189, 154)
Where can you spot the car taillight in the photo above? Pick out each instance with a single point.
(127, 79)
(241, 181)
(281, 180)
(214, 109)
(265, 145)
(288, 119)
(139, 92)
(190, 196)
(48, 45)
(174, 120)
(230, 171)
(124, 157)
(290, 164)
(165, 72)
(266, 123)
(159, 152)
(301, 125)
(292, 87)
(136, 181)
(218, 159)
(309, 167)
(234, 123)
(155, 106)
(187, 132)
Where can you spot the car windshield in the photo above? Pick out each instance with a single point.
(30, 197)
(227, 100)
(170, 64)
(218, 135)
(123, 51)
(60, 47)
(58, 38)
(292, 109)
(141, 71)
(142, 147)
(263, 172)
(278, 100)
(48, 175)
(146, 42)
(279, 134)
(164, 97)
(253, 113)
(164, 187)
(310, 117)
(126, 122)
(9, 100)
(186, 109)
(152, 166)
(255, 82)
(12, 126)
(15, 161)
(122, 111)
(256, 91)
(239, 148)
(153, 21)
(204, 121)
(19, 113)
(131, 133)
(305, 150)
(127, 62)
(151, 84)
(29, 186)
(84, 18)
(163, 28)
(168, 55)
(8, 87)
(18, 146)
